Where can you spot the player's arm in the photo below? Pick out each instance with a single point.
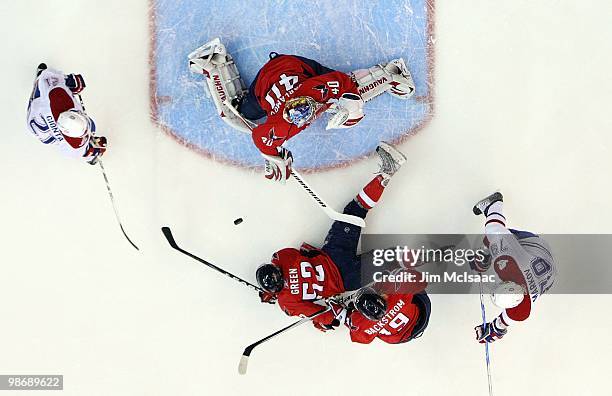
(278, 160)
(324, 322)
(498, 327)
(357, 324)
(268, 138)
(343, 95)
(517, 314)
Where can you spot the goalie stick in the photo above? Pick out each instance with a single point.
(244, 360)
(170, 238)
(110, 192)
(331, 213)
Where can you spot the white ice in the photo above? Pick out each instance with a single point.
(522, 104)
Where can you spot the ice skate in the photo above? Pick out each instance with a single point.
(391, 159)
(483, 205)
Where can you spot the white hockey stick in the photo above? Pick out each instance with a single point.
(486, 344)
(333, 214)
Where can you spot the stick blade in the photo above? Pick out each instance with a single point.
(242, 367)
(127, 237)
(168, 234)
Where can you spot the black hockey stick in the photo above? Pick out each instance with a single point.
(110, 192)
(244, 360)
(168, 234)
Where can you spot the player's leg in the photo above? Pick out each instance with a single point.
(248, 105)
(393, 77)
(500, 238)
(342, 239)
(492, 207)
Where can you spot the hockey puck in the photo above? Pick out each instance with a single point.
(238, 221)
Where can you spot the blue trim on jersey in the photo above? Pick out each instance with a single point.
(522, 234)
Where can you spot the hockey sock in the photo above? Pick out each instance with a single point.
(371, 193)
(495, 222)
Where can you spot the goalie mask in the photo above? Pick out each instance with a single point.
(507, 295)
(300, 111)
(370, 304)
(270, 278)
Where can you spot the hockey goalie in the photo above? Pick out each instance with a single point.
(290, 92)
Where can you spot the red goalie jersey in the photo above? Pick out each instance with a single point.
(308, 278)
(286, 77)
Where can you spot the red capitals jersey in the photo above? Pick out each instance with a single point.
(307, 279)
(395, 327)
(286, 77)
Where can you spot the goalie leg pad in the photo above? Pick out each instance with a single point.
(402, 86)
(222, 78)
(392, 77)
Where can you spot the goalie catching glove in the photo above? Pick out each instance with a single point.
(348, 112)
(278, 168)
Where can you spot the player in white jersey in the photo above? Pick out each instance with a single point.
(56, 116)
(523, 263)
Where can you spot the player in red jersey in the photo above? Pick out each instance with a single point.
(392, 312)
(523, 263)
(292, 91)
(300, 279)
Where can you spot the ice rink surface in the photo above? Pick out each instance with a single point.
(522, 102)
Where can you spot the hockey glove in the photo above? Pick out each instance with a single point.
(349, 111)
(268, 298)
(75, 83)
(483, 265)
(278, 168)
(490, 332)
(331, 319)
(326, 321)
(95, 149)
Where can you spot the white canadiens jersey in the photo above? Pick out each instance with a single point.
(523, 258)
(42, 121)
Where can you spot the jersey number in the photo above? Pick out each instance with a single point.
(307, 270)
(397, 323)
(41, 128)
(541, 268)
(286, 82)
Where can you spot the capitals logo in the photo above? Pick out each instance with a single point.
(269, 141)
(322, 88)
(182, 107)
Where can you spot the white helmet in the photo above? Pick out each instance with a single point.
(73, 123)
(507, 295)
